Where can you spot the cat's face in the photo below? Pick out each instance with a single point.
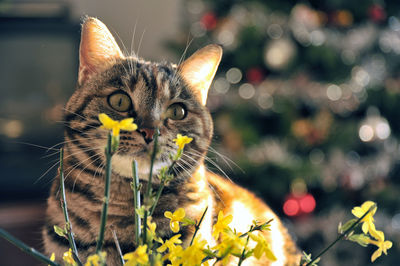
(158, 96)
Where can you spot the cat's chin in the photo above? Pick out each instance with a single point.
(122, 165)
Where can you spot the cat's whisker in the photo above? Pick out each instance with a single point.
(99, 170)
(80, 151)
(207, 159)
(57, 162)
(79, 174)
(33, 145)
(62, 143)
(185, 166)
(109, 38)
(175, 77)
(140, 43)
(133, 54)
(80, 163)
(66, 123)
(226, 159)
(48, 170)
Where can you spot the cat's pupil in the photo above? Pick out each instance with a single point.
(120, 102)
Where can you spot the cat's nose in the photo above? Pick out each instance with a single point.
(147, 133)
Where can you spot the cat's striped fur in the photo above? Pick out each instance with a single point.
(152, 88)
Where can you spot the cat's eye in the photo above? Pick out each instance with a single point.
(120, 101)
(176, 111)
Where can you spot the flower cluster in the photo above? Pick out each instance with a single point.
(231, 244)
(370, 235)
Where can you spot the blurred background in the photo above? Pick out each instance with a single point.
(304, 103)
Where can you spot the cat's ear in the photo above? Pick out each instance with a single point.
(98, 49)
(199, 69)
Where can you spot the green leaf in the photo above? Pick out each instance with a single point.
(209, 253)
(346, 226)
(59, 231)
(187, 221)
(140, 211)
(306, 258)
(361, 239)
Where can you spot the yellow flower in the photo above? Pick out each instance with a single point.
(96, 259)
(262, 247)
(151, 230)
(175, 218)
(52, 257)
(181, 141)
(125, 124)
(170, 243)
(175, 256)
(368, 220)
(193, 255)
(68, 258)
(221, 224)
(139, 256)
(380, 243)
(230, 243)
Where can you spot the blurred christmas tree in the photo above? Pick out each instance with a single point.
(306, 102)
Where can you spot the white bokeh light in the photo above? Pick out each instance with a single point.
(246, 91)
(366, 133)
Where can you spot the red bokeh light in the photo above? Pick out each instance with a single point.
(209, 20)
(254, 75)
(307, 203)
(298, 205)
(291, 207)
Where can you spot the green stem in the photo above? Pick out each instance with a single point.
(64, 206)
(31, 251)
(153, 157)
(161, 187)
(148, 192)
(255, 228)
(121, 258)
(104, 211)
(341, 235)
(144, 233)
(242, 256)
(136, 202)
(197, 226)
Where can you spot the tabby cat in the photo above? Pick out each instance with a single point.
(157, 95)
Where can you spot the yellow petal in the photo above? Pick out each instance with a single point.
(127, 124)
(179, 214)
(258, 251)
(129, 256)
(365, 228)
(388, 244)
(220, 215)
(131, 127)
(115, 131)
(168, 214)
(368, 204)
(162, 248)
(376, 255)
(378, 235)
(357, 211)
(174, 227)
(270, 255)
(106, 121)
